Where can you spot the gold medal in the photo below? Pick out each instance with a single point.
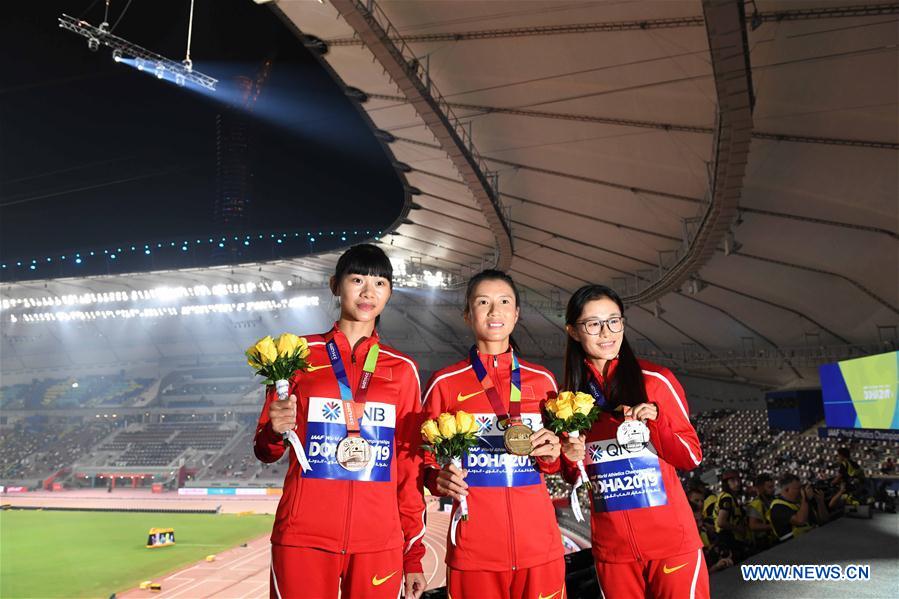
(517, 439)
(353, 454)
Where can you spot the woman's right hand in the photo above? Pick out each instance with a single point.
(283, 414)
(573, 448)
(451, 482)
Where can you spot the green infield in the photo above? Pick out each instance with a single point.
(47, 554)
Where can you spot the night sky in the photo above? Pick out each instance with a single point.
(94, 153)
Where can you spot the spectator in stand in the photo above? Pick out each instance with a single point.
(730, 517)
(757, 512)
(888, 466)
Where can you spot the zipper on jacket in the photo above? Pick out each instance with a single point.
(632, 537)
(349, 519)
(511, 530)
(349, 503)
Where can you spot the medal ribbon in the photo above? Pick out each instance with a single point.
(353, 407)
(514, 413)
(596, 392)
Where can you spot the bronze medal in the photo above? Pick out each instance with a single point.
(353, 454)
(517, 439)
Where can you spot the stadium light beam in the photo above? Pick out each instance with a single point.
(182, 72)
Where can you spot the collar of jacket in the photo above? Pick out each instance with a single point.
(503, 360)
(613, 364)
(343, 344)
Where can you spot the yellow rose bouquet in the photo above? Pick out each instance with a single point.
(277, 360)
(572, 413)
(448, 438)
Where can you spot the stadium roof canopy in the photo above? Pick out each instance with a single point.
(731, 170)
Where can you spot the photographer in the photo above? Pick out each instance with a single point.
(730, 517)
(791, 512)
(834, 499)
(758, 511)
(852, 476)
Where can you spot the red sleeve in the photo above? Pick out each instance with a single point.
(671, 433)
(267, 444)
(540, 465)
(569, 470)
(548, 467)
(432, 404)
(409, 472)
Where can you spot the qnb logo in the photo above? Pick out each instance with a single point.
(331, 410)
(375, 414)
(485, 423)
(605, 450)
(503, 424)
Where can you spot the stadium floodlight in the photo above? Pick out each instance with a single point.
(99, 36)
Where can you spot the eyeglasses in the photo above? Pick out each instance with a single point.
(594, 326)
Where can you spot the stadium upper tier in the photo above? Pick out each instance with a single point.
(87, 391)
(218, 446)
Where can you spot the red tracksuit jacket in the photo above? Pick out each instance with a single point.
(512, 523)
(333, 509)
(640, 511)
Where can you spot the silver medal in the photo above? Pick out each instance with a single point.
(632, 435)
(353, 454)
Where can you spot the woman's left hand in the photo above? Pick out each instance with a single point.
(546, 445)
(416, 583)
(642, 412)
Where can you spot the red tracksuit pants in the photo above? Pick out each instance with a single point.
(305, 573)
(546, 581)
(677, 577)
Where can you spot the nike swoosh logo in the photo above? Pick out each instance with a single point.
(548, 596)
(668, 570)
(314, 368)
(460, 398)
(379, 581)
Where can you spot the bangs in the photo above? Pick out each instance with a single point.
(365, 260)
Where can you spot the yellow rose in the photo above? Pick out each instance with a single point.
(266, 350)
(564, 407)
(465, 422)
(583, 403)
(551, 406)
(429, 431)
(447, 425)
(566, 395)
(287, 344)
(565, 398)
(304, 347)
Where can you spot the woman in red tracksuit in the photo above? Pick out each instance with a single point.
(351, 524)
(645, 540)
(510, 546)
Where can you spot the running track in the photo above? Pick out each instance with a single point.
(243, 572)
